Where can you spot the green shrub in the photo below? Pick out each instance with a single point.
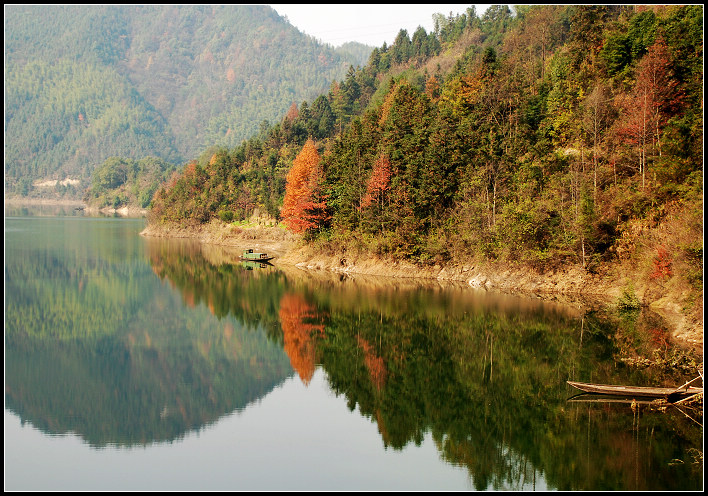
(628, 301)
(226, 215)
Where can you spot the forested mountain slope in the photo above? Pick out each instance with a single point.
(84, 83)
(549, 128)
(549, 136)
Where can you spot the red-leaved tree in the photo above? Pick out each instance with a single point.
(379, 182)
(304, 207)
(654, 99)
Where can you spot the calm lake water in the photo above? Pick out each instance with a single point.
(143, 364)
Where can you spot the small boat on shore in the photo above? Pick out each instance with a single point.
(637, 391)
(251, 256)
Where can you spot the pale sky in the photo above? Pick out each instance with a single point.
(371, 24)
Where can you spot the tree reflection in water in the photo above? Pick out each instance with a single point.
(299, 334)
(484, 374)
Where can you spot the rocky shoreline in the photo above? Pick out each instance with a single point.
(572, 285)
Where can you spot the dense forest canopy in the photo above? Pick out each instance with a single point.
(545, 134)
(123, 181)
(84, 82)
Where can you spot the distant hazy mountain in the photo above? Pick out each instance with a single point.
(84, 83)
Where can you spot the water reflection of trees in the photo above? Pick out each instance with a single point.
(491, 390)
(95, 345)
(297, 320)
(485, 377)
(116, 391)
(213, 276)
(76, 291)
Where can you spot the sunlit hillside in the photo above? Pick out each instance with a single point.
(84, 83)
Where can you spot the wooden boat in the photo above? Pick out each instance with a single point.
(251, 256)
(605, 398)
(637, 391)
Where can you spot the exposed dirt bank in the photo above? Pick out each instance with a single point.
(572, 285)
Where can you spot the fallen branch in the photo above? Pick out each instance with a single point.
(700, 376)
(689, 398)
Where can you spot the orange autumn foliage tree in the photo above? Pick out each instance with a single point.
(304, 207)
(372, 204)
(379, 182)
(296, 319)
